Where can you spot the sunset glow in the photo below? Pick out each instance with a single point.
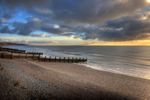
(148, 1)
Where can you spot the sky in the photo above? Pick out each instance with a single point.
(75, 22)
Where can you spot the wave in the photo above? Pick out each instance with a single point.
(145, 75)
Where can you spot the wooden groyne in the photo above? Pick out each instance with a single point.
(65, 60)
(16, 53)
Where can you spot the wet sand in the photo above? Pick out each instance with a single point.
(22, 79)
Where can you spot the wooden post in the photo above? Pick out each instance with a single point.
(49, 59)
(33, 56)
(59, 59)
(55, 59)
(44, 59)
(75, 59)
(68, 59)
(79, 60)
(64, 59)
(86, 60)
(38, 57)
(82, 59)
(72, 59)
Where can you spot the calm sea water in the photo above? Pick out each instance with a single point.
(133, 61)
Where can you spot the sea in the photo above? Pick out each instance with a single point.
(131, 61)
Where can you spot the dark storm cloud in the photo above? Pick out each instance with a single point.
(94, 10)
(22, 2)
(82, 18)
(121, 30)
(80, 10)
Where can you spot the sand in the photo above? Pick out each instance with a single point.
(22, 79)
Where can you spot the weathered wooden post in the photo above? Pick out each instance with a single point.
(55, 59)
(79, 59)
(50, 59)
(59, 59)
(83, 59)
(72, 59)
(45, 59)
(68, 59)
(86, 60)
(39, 57)
(64, 59)
(33, 56)
(75, 60)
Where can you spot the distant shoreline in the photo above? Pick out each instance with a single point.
(9, 43)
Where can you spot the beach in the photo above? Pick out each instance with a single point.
(74, 49)
(24, 79)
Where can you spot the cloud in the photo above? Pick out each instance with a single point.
(13, 3)
(32, 24)
(109, 20)
(79, 10)
(94, 10)
(123, 29)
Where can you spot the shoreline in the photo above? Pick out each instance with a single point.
(107, 70)
(114, 72)
(9, 44)
(29, 79)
